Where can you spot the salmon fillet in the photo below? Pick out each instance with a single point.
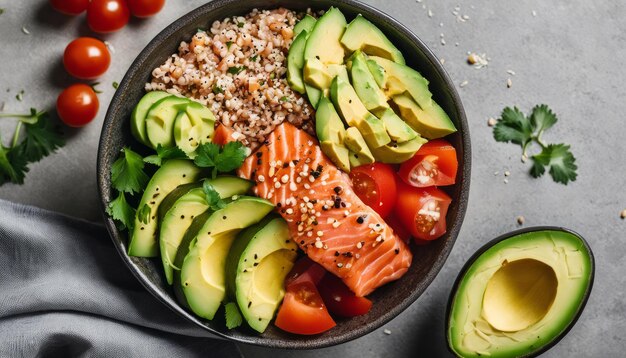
(326, 218)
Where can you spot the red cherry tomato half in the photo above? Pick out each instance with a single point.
(422, 211)
(340, 300)
(398, 228)
(305, 270)
(77, 105)
(434, 164)
(145, 8)
(107, 15)
(70, 7)
(86, 58)
(303, 310)
(375, 184)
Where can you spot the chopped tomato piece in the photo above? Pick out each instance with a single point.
(340, 300)
(223, 135)
(303, 311)
(305, 270)
(375, 184)
(434, 164)
(422, 211)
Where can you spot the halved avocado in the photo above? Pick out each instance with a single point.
(179, 216)
(138, 117)
(203, 271)
(519, 294)
(363, 35)
(174, 172)
(160, 120)
(257, 264)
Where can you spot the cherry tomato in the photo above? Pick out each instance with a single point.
(107, 15)
(398, 228)
(303, 311)
(340, 300)
(305, 270)
(222, 135)
(422, 211)
(145, 8)
(375, 184)
(70, 7)
(86, 58)
(434, 164)
(77, 105)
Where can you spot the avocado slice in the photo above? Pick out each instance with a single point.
(357, 161)
(160, 120)
(182, 212)
(306, 24)
(379, 74)
(401, 78)
(431, 122)
(203, 271)
(355, 142)
(356, 115)
(138, 117)
(313, 94)
(328, 124)
(186, 135)
(173, 172)
(365, 85)
(257, 265)
(519, 294)
(202, 117)
(337, 153)
(295, 62)
(323, 42)
(363, 35)
(396, 153)
(397, 129)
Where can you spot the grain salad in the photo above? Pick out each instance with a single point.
(237, 68)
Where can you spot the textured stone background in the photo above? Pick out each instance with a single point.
(568, 54)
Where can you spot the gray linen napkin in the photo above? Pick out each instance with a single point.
(65, 292)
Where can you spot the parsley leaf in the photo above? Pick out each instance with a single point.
(542, 118)
(205, 155)
(164, 154)
(240, 24)
(217, 89)
(235, 70)
(144, 214)
(127, 173)
(12, 167)
(232, 157)
(213, 198)
(561, 161)
(254, 58)
(233, 316)
(229, 44)
(121, 211)
(41, 138)
(513, 127)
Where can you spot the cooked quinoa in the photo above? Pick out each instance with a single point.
(237, 68)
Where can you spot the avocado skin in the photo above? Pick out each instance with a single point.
(537, 351)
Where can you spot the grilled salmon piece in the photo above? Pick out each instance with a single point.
(326, 218)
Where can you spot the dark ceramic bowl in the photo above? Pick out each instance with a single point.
(389, 300)
(509, 235)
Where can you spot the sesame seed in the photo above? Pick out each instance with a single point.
(261, 178)
(340, 265)
(386, 331)
(359, 245)
(320, 233)
(284, 179)
(277, 185)
(319, 244)
(289, 211)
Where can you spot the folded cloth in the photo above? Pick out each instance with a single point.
(65, 292)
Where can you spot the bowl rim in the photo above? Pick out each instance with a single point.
(313, 342)
(468, 264)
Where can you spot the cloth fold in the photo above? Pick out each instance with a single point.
(64, 291)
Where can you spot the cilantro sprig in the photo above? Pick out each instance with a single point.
(220, 160)
(127, 176)
(34, 138)
(164, 154)
(233, 316)
(212, 197)
(515, 127)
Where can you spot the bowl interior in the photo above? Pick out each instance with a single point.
(389, 300)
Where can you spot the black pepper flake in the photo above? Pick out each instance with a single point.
(259, 154)
(347, 254)
(286, 241)
(279, 205)
(338, 189)
(155, 195)
(258, 162)
(285, 165)
(343, 204)
(349, 101)
(301, 241)
(336, 253)
(295, 161)
(397, 251)
(209, 233)
(256, 264)
(255, 256)
(182, 216)
(360, 220)
(184, 175)
(317, 57)
(141, 228)
(152, 202)
(314, 201)
(314, 222)
(244, 270)
(224, 217)
(249, 304)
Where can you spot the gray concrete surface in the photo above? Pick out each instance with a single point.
(568, 54)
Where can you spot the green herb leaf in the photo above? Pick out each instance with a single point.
(240, 24)
(254, 58)
(164, 154)
(561, 161)
(233, 316)
(121, 211)
(206, 154)
(127, 173)
(235, 70)
(542, 118)
(284, 99)
(41, 138)
(217, 89)
(229, 44)
(144, 214)
(513, 127)
(212, 196)
(20, 95)
(12, 166)
(232, 156)
(115, 84)
(1, 11)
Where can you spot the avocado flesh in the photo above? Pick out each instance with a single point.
(401, 78)
(160, 120)
(337, 153)
(203, 272)
(356, 115)
(363, 35)
(138, 117)
(328, 124)
(183, 211)
(397, 129)
(365, 85)
(323, 42)
(295, 62)
(379, 74)
(397, 153)
(431, 122)
(355, 142)
(174, 172)
(306, 24)
(186, 135)
(357, 161)
(202, 118)
(470, 334)
(257, 265)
